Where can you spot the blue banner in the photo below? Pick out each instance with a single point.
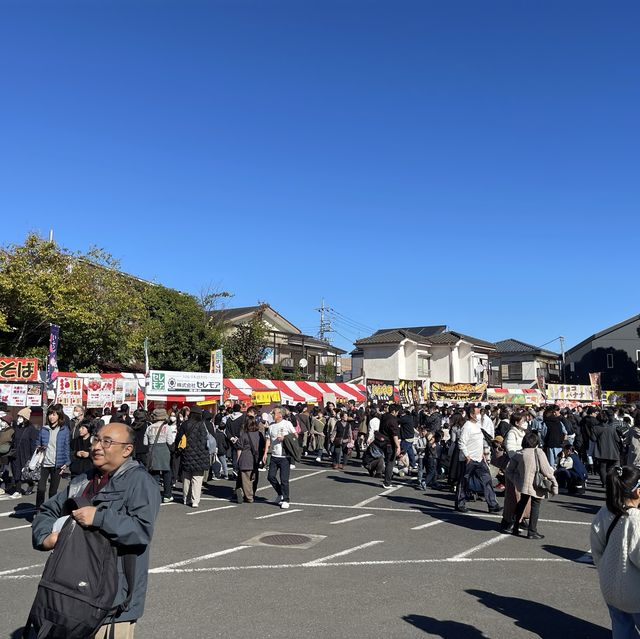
(52, 359)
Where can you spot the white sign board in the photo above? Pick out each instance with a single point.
(183, 383)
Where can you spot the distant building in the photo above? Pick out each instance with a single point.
(516, 364)
(422, 352)
(287, 345)
(614, 352)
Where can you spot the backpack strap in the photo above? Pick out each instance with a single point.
(611, 527)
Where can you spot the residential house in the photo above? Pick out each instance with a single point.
(516, 364)
(614, 352)
(287, 345)
(424, 352)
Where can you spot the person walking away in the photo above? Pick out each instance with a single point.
(615, 547)
(633, 441)
(24, 444)
(607, 444)
(124, 503)
(55, 439)
(250, 448)
(387, 438)
(194, 458)
(406, 422)
(6, 437)
(512, 444)
(343, 436)
(140, 424)
(279, 463)
(220, 467)
(521, 471)
(158, 438)
(81, 451)
(317, 433)
(556, 434)
(233, 427)
(471, 444)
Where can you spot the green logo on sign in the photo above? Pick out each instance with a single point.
(157, 381)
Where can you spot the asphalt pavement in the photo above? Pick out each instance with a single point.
(348, 559)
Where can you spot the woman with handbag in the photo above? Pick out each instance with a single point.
(249, 448)
(534, 479)
(158, 438)
(342, 441)
(25, 442)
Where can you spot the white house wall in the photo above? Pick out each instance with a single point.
(381, 362)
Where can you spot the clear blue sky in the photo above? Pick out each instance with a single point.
(473, 164)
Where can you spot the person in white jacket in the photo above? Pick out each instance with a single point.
(615, 546)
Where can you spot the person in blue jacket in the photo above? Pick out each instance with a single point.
(55, 440)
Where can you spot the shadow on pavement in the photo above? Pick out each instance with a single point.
(24, 511)
(573, 554)
(352, 480)
(444, 629)
(540, 619)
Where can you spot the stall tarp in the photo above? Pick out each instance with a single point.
(293, 392)
(457, 391)
(519, 396)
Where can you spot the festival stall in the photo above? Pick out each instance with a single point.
(290, 392)
(518, 396)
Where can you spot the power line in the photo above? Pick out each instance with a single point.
(351, 322)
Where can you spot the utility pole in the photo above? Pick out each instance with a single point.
(325, 322)
(564, 375)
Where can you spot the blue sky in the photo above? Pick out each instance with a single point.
(473, 164)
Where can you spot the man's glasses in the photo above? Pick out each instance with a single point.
(106, 442)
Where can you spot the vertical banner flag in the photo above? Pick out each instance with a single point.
(596, 385)
(146, 355)
(215, 365)
(52, 359)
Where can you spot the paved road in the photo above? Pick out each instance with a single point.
(373, 562)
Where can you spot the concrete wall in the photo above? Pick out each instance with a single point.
(382, 361)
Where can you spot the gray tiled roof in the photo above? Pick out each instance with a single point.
(516, 346)
(424, 331)
(394, 336)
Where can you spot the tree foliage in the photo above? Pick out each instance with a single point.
(104, 314)
(246, 347)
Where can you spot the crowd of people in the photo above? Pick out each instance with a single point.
(474, 451)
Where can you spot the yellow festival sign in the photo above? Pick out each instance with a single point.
(265, 397)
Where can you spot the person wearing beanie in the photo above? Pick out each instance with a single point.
(24, 443)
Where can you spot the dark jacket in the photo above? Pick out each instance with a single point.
(6, 437)
(388, 428)
(80, 465)
(223, 444)
(434, 422)
(139, 426)
(127, 509)
(608, 441)
(555, 435)
(194, 458)
(25, 441)
(252, 447)
(406, 423)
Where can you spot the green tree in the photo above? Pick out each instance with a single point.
(328, 372)
(247, 346)
(276, 371)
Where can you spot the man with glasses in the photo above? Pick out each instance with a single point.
(123, 502)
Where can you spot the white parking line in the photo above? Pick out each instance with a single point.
(15, 528)
(208, 510)
(342, 553)
(428, 524)
(282, 512)
(494, 540)
(382, 494)
(186, 562)
(14, 513)
(9, 572)
(344, 521)
(317, 472)
(379, 562)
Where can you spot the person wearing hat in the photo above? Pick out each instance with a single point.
(23, 445)
(6, 437)
(159, 436)
(194, 457)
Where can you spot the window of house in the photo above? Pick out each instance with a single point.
(424, 367)
(512, 371)
(609, 360)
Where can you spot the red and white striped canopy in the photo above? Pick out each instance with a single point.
(294, 392)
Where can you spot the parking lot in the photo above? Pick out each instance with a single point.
(348, 559)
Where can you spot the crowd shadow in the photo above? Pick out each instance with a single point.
(24, 511)
(444, 629)
(540, 619)
(572, 554)
(353, 480)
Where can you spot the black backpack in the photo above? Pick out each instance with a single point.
(79, 583)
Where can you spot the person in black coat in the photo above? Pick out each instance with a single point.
(608, 444)
(194, 457)
(250, 449)
(24, 443)
(139, 425)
